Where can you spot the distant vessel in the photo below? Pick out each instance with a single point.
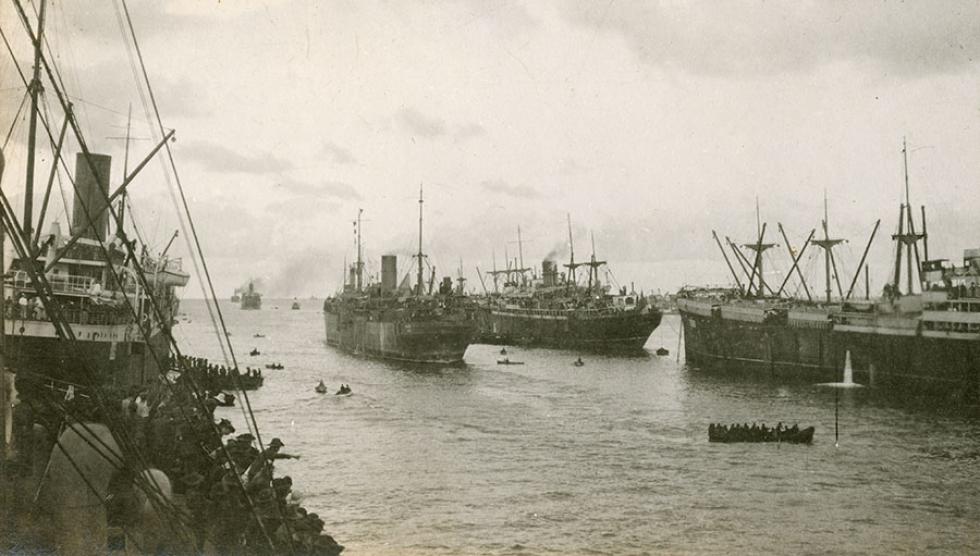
(399, 322)
(235, 298)
(557, 311)
(251, 299)
(295, 306)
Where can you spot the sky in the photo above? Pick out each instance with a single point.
(648, 124)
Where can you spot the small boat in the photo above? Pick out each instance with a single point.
(275, 366)
(254, 352)
(506, 361)
(225, 399)
(744, 433)
(295, 306)
(503, 351)
(321, 388)
(257, 335)
(661, 351)
(579, 363)
(344, 391)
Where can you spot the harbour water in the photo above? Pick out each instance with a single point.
(608, 458)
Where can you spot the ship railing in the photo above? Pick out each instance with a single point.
(96, 315)
(71, 284)
(562, 312)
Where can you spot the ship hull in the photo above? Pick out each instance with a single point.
(906, 362)
(428, 341)
(711, 341)
(627, 330)
(103, 353)
(914, 364)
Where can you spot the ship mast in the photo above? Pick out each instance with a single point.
(760, 248)
(906, 237)
(360, 263)
(571, 249)
(420, 255)
(35, 89)
(828, 245)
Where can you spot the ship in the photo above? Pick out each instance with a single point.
(85, 351)
(251, 299)
(757, 325)
(235, 298)
(399, 322)
(295, 306)
(923, 337)
(920, 338)
(558, 311)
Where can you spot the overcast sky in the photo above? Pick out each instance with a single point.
(650, 123)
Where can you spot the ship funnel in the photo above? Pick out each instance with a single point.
(91, 191)
(549, 272)
(389, 273)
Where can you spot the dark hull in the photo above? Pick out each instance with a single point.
(803, 436)
(428, 341)
(112, 364)
(909, 364)
(778, 348)
(916, 365)
(628, 330)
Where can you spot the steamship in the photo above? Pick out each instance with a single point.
(93, 283)
(399, 322)
(251, 299)
(755, 325)
(920, 337)
(557, 311)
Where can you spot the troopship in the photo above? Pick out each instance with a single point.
(395, 321)
(251, 299)
(923, 337)
(920, 337)
(94, 279)
(756, 324)
(557, 311)
(105, 448)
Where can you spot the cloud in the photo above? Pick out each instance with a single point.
(331, 189)
(218, 158)
(504, 188)
(338, 154)
(762, 38)
(418, 123)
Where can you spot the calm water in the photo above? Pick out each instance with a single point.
(609, 458)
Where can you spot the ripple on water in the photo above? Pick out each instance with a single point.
(610, 458)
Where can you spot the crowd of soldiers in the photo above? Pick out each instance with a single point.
(228, 483)
(752, 433)
(214, 377)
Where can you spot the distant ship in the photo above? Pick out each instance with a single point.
(558, 311)
(295, 306)
(235, 298)
(251, 299)
(399, 322)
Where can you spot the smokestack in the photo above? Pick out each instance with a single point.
(389, 273)
(91, 191)
(549, 273)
